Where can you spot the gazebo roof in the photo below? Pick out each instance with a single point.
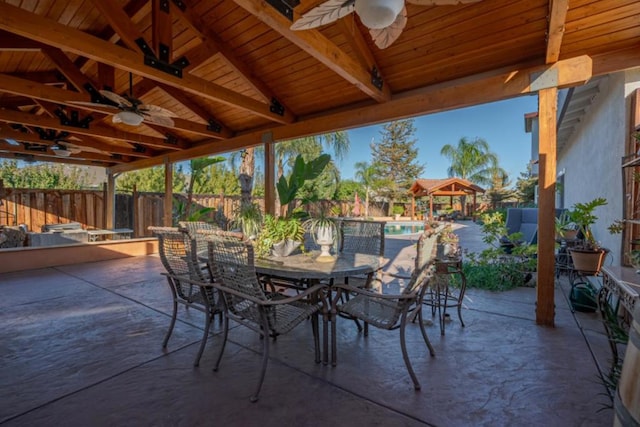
(444, 187)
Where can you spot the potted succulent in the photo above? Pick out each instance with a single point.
(248, 218)
(279, 236)
(588, 256)
(324, 232)
(565, 227)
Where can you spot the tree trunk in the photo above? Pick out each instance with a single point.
(247, 167)
(366, 203)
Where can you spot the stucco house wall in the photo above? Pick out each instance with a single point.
(591, 158)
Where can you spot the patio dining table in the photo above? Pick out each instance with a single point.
(305, 269)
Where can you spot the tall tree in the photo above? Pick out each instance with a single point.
(366, 175)
(526, 187)
(198, 168)
(151, 179)
(395, 159)
(43, 176)
(471, 160)
(499, 189)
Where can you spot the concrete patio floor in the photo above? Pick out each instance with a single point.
(81, 346)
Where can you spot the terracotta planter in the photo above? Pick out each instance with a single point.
(587, 261)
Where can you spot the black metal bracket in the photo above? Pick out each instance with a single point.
(116, 156)
(51, 134)
(19, 127)
(162, 63)
(276, 107)
(180, 4)
(285, 7)
(214, 126)
(164, 6)
(376, 78)
(137, 148)
(75, 120)
(35, 147)
(171, 139)
(96, 98)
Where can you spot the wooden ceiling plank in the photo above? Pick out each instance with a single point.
(106, 75)
(94, 130)
(67, 68)
(17, 86)
(56, 159)
(557, 19)
(46, 31)
(197, 56)
(321, 48)
(10, 42)
(74, 156)
(488, 87)
(359, 44)
(215, 44)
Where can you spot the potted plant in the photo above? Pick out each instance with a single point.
(565, 227)
(279, 236)
(248, 218)
(588, 256)
(324, 230)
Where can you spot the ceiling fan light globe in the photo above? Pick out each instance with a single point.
(61, 151)
(128, 118)
(378, 14)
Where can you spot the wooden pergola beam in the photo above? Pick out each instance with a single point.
(456, 94)
(557, 18)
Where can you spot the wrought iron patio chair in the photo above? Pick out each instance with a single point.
(232, 262)
(389, 311)
(186, 279)
(193, 227)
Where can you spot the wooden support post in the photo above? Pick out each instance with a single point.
(269, 178)
(110, 201)
(168, 193)
(413, 207)
(430, 207)
(545, 305)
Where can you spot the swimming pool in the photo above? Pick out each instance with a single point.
(399, 228)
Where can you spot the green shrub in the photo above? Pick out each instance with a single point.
(398, 209)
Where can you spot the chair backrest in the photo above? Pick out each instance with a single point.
(426, 249)
(365, 237)
(192, 228)
(231, 259)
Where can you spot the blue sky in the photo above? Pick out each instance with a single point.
(501, 124)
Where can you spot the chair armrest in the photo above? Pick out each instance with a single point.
(366, 292)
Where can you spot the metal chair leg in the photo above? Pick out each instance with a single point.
(225, 334)
(205, 335)
(265, 357)
(405, 356)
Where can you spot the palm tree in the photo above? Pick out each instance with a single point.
(365, 173)
(471, 160)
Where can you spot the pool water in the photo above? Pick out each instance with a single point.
(392, 229)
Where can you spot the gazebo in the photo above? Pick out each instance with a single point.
(442, 187)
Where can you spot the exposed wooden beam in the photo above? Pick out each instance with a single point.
(620, 60)
(162, 27)
(557, 18)
(55, 159)
(119, 22)
(358, 44)
(85, 141)
(198, 55)
(95, 129)
(10, 42)
(321, 48)
(50, 153)
(67, 67)
(17, 86)
(460, 93)
(50, 32)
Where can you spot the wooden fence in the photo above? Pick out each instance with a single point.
(136, 211)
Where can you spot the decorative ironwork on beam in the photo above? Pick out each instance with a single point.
(75, 120)
(174, 68)
(164, 6)
(285, 7)
(137, 148)
(51, 134)
(276, 107)
(214, 126)
(376, 79)
(35, 147)
(180, 4)
(171, 139)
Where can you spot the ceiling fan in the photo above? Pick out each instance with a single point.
(65, 150)
(132, 110)
(385, 18)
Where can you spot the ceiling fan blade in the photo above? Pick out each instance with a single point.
(114, 97)
(159, 120)
(93, 104)
(441, 2)
(155, 110)
(326, 13)
(385, 36)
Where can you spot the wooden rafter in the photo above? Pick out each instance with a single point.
(67, 68)
(42, 157)
(321, 48)
(17, 86)
(162, 27)
(95, 129)
(557, 17)
(50, 32)
(119, 22)
(85, 141)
